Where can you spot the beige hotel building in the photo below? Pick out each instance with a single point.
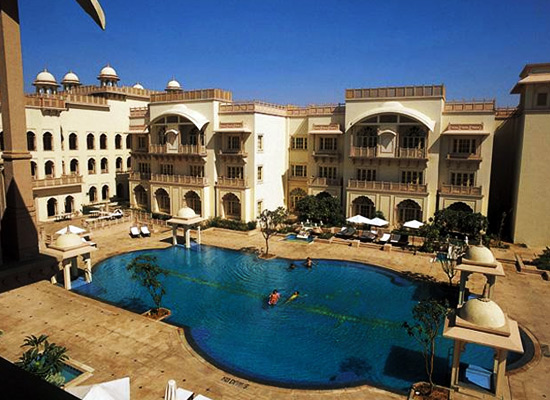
(405, 151)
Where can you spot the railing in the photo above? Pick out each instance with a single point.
(363, 151)
(322, 181)
(139, 176)
(206, 94)
(253, 107)
(403, 91)
(470, 106)
(232, 152)
(138, 112)
(181, 149)
(380, 186)
(461, 190)
(179, 179)
(45, 102)
(463, 156)
(411, 152)
(61, 181)
(326, 152)
(315, 109)
(232, 182)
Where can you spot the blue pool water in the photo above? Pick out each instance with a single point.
(69, 373)
(294, 238)
(344, 330)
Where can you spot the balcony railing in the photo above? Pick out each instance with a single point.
(232, 182)
(64, 180)
(405, 152)
(326, 153)
(464, 156)
(179, 179)
(363, 151)
(232, 152)
(180, 149)
(402, 152)
(461, 190)
(380, 186)
(139, 176)
(321, 181)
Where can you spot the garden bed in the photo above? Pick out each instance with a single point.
(157, 315)
(419, 390)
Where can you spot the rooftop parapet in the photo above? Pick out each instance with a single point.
(316, 109)
(505, 112)
(123, 90)
(138, 112)
(463, 106)
(428, 91)
(192, 95)
(253, 107)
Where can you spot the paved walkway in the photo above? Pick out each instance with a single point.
(119, 343)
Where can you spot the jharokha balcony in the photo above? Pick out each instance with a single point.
(183, 180)
(182, 149)
(232, 152)
(62, 181)
(238, 183)
(379, 186)
(460, 190)
(402, 152)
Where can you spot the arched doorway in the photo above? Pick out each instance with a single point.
(49, 169)
(231, 207)
(103, 142)
(74, 166)
(52, 207)
(73, 141)
(33, 169)
(193, 201)
(69, 204)
(47, 141)
(408, 210)
(104, 166)
(295, 196)
(163, 201)
(105, 192)
(92, 193)
(460, 206)
(91, 166)
(141, 197)
(31, 141)
(363, 206)
(118, 164)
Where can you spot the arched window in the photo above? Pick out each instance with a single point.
(414, 137)
(31, 141)
(73, 141)
(103, 141)
(47, 141)
(118, 164)
(231, 207)
(141, 197)
(92, 193)
(74, 167)
(91, 166)
(33, 169)
(129, 142)
(460, 206)
(408, 210)
(118, 142)
(193, 201)
(295, 196)
(363, 206)
(129, 163)
(104, 166)
(52, 207)
(69, 204)
(49, 169)
(163, 201)
(367, 137)
(90, 141)
(105, 192)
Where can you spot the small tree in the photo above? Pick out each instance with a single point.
(43, 359)
(379, 214)
(145, 270)
(269, 221)
(448, 264)
(429, 316)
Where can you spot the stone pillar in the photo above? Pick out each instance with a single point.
(455, 366)
(491, 280)
(88, 268)
(500, 361)
(462, 286)
(74, 268)
(66, 274)
(187, 238)
(174, 235)
(199, 235)
(19, 233)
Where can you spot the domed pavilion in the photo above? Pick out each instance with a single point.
(185, 218)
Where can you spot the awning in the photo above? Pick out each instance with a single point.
(195, 117)
(535, 78)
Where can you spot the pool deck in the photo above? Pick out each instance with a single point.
(118, 343)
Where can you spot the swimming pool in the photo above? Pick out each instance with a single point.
(344, 330)
(294, 238)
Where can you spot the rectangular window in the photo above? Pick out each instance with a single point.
(196, 170)
(328, 144)
(327, 172)
(462, 179)
(366, 174)
(166, 169)
(464, 146)
(142, 142)
(260, 173)
(235, 172)
(411, 177)
(260, 206)
(233, 143)
(260, 142)
(144, 168)
(299, 143)
(299, 170)
(542, 99)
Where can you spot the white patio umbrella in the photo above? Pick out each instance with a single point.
(118, 389)
(358, 219)
(378, 222)
(413, 224)
(170, 391)
(71, 229)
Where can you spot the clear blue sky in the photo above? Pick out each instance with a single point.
(300, 52)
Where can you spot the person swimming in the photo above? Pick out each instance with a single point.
(292, 266)
(309, 262)
(294, 296)
(274, 297)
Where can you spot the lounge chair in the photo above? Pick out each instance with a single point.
(201, 397)
(403, 241)
(90, 243)
(384, 239)
(134, 231)
(183, 394)
(145, 231)
(395, 238)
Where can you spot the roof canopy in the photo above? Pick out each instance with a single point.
(195, 117)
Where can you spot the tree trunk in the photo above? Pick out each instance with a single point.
(267, 246)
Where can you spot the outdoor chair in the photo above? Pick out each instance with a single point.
(90, 243)
(395, 238)
(183, 394)
(384, 239)
(134, 231)
(145, 231)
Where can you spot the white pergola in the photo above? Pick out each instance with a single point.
(186, 218)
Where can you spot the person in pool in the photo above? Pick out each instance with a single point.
(309, 262)
(274, 297)
(292, 266)
(294, 296)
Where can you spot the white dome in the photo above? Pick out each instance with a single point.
(479, 254)
(483, 312)
(108, 72)
(138, 86)
(186, 212)
(68, 240)
(173, 85)
(70, 77)
(45, 77)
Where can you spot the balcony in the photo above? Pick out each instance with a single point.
(238, 183)
(379, 186)
(461, 190)
(319, 181)
(62, 181)
(363, 152)
(415, 153)
(182, 149)
(232, 153)
(402, 152)
(326, 153)
(139, 176)
(464, 156)
(184, 180)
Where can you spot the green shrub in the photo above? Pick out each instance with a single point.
(543, 260)
(218, 222)
(325, 235)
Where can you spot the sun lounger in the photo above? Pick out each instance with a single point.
(182, 394)
(395, 238)
(93, 244)
(479, 376)
(134, 231)
(201, 397)
(145, 231)
(384, 239)
(403, 240)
